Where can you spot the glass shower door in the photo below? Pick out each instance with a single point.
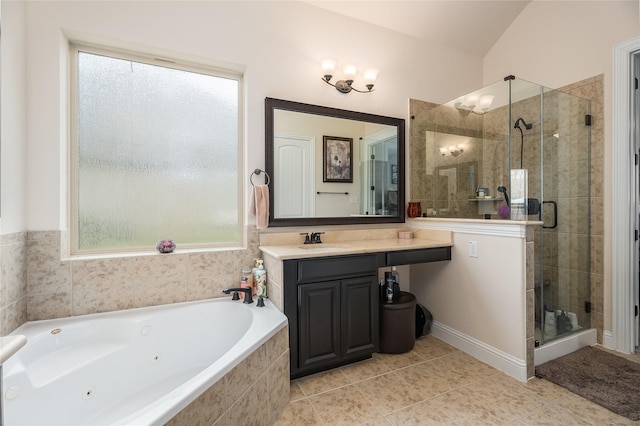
(563, 273)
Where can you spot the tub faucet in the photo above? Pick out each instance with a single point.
(248, 293)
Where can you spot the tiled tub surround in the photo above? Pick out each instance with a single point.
(13, 281)
(255, 392)
(35, 284)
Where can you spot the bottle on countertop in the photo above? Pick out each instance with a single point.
(260, 278)
(253, 271)
(246, 280)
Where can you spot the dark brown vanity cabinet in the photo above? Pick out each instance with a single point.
(332, 306)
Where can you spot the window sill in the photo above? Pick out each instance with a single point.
(184, 251)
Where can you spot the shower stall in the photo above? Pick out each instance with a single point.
(516, 151)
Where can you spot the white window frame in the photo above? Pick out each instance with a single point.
(166, 62)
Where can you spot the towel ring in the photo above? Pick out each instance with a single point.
(257, 172)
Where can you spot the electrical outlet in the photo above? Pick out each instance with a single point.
(473, 249)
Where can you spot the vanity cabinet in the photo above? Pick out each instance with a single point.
(332, 306)
(408, 257)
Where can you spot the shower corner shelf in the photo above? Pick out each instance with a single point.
(484, 199)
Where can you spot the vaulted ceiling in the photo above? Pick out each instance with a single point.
(471, 26)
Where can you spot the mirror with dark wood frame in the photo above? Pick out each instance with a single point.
(331, 166)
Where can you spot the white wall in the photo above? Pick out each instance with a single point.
(555, 43)
(13, 119)
(279, 45)
(483, 297)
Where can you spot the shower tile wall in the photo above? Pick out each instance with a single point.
(35, 284)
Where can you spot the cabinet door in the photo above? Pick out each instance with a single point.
(318, 324)
(359, 316)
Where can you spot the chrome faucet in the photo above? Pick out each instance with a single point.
(248, 293)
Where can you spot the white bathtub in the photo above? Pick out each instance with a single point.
(134, 367)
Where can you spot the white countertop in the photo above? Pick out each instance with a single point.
(9, 345)
(299, 251)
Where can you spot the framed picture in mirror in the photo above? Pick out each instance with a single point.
(394, 174)
(338, 157)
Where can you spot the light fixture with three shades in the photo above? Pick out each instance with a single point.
(349, 72)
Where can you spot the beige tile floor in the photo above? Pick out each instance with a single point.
(435, 384)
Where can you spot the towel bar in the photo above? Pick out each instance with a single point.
(257, 172)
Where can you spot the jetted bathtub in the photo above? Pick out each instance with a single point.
(134, 367)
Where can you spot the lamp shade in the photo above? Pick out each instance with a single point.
(328, 66)
(349, 71)
(471, 100)
(485, 102)
(370, 76)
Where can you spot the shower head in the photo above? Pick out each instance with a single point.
(516, 125)
(504, 192)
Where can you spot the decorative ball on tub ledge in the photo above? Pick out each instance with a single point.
(166, 246)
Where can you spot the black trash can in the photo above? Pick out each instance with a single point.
(398, 324)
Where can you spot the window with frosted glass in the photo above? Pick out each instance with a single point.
(156, 155)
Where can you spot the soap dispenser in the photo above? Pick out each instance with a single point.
(260, 278)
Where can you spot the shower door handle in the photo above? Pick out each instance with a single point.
(555, 214)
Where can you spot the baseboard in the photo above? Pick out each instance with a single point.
(508, 364)
(607, 339)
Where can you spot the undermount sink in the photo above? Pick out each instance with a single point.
(322, 247)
